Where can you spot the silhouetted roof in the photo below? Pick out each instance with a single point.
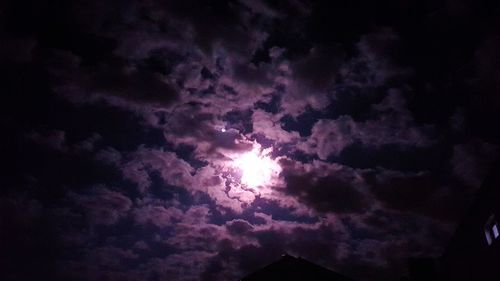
(290, 268)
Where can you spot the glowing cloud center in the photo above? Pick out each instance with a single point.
(257, 168)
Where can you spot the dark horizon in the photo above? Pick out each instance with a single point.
(200, 140)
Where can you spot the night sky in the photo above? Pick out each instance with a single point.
(201, 140)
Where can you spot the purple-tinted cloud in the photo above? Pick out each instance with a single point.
(126, 122)
(394, 125)
(102, 205)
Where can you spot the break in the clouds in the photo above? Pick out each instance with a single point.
(200, 140)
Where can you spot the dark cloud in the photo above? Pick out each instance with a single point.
(404, 191)
(337, 191)
(393, 125)
(111, 82)
(136, 86)
(239, 227)
(103, 206)
(470, 159)
(316, 71)
(419, 193)
(30, 239)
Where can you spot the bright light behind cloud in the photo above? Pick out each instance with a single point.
(257, 168)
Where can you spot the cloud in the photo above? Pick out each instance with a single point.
(111, 257)
(112, 82)
(239, 227)
(124, 122)
(393, 124)
(315, 73)
(17, 49)
(187, 265)
(57, 140)
(331, 137)
(143, 161)
(334, 190)
(470, 160)
(376, 50)
(205, 133)
(30, 239)
(102, 205)
(418, 193)
(269, 126)
(404, 191)
(157, 215)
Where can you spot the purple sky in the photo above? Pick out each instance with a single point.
(122, 122)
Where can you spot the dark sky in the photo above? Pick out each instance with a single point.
(125, 125)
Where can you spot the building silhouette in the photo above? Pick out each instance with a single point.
(289, 268)
(474, 250)
(422, 269)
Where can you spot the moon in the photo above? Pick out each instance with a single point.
(257, 168)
